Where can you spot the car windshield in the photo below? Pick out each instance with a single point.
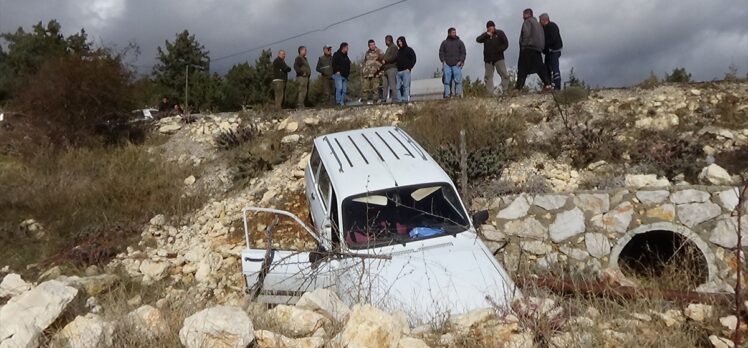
(401, 215)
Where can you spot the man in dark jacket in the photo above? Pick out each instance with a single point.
(303, 71)
(280, 76)
(405, 61)
(552, 50)
(324, 68)
(341, 68)
(452, 55)
(531, 43)
(494, 44)
(389, 78)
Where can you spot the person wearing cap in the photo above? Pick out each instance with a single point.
(389, 78)
(280, 76)
(341, 68)
(494, 44)
(452, 55)
(324, 68)
(303, 71)
(371, 72)
(552, 50)
(531, 43)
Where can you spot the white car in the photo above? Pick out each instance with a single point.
(391, 230)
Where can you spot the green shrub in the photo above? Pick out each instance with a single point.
(668, 154)
(571, 95)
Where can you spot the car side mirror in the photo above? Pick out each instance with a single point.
(480, 217)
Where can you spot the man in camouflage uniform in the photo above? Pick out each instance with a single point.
(372, 73)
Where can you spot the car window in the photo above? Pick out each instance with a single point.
(402, 215)
(314, 162)
(324, 185)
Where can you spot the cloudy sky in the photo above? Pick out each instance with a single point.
(609, 43)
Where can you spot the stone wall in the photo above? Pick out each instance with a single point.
(586, 231)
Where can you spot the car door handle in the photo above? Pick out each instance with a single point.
(312, 195)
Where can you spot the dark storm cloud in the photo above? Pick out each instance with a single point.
(610, 43)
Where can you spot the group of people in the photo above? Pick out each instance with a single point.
(390, 71)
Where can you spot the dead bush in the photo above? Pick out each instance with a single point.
(230, 139)
(89, 200)
(728, 114)
(70, 96)
(668, 154)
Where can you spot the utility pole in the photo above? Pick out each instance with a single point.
(186, 85)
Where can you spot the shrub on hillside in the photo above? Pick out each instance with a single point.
(668, 153)
(70, 96)
(571, 95)
(233, 138)
(491, 138)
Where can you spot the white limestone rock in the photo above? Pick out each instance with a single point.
(219, 326)
(566, 225)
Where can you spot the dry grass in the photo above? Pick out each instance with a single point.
(96, 196)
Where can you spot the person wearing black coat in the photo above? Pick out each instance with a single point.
(552, 50)
(280, 76)
(341, 68)
(494, 44)
(405, 61)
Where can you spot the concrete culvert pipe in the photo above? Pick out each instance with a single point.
(668, 255)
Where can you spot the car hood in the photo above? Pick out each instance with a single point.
(437, 277)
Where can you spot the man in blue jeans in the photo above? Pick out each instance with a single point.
(552, 50)
(341, 68)
(405, 61)
(452, 56)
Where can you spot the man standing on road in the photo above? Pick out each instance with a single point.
(552, 50)
(531, 43)
(372, 73)
(452, 55)
(280, 76)
(341, 67)
(303, 71)
(324, 68)
(494, 44)
(389, 79)
(405, 61)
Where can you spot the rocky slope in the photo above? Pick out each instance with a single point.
(192, 262)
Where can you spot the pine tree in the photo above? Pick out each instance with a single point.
(174, 60)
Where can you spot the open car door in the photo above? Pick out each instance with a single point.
(282, 276)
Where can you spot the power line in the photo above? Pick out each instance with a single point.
(309, 32)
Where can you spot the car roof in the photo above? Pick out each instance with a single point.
(374, 159)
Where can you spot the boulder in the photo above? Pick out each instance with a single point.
(325, 302)
(597, 244)
(696, 213)
(13, 285)
(721, 342)
(566, 225)
(550, 202)
(410, 342)
(463, 322)
(699, 312)
(645, 180)
(574, 253)
(190, 180)
(689, 196)
(89, 331)
(26, 316)
(526, 228)
(154, 270)
(268, 339)
(169, 128)
(536, 247)
(665, 212)
(517, 209)
(725, 233)
(92, 285)
(597, 203)
(652, 197)
(618, 219)
(147, 321)
(369, 327)
(729, 322)
(291, 139)
(297, 321)
(219, 326)
(715, 175)
(728, 199)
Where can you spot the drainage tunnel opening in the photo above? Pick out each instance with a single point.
(664, 259)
